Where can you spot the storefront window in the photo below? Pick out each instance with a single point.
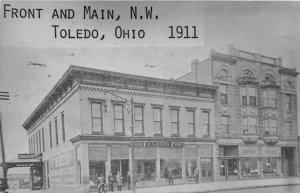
(190, 166)
(249, 166)
(232, 167)
(96, 168)
(174, 165)
(270, 165)
(146, 169)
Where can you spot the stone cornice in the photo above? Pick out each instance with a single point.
(288, 71)
(147, 94)
(79, 138)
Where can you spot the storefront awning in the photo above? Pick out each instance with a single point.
(24, 163)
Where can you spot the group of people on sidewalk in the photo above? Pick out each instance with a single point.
(118, 180)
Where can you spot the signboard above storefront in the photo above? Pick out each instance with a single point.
(268, 151)
(29, 156)
(158, 144)
(248, 151)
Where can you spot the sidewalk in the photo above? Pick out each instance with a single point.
(198, 188)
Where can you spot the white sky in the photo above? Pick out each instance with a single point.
(268, 28)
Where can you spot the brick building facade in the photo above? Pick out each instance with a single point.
(256, 113)
(82, 129)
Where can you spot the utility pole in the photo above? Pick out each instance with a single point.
(3, 169)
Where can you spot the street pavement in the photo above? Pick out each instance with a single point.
(199, 188)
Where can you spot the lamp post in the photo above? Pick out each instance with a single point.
(132, 132)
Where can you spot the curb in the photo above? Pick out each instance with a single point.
(241, 188)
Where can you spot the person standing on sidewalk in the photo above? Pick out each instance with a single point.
(128, 180)
(134, 180)
(197, 172)
(119, 181)
(170, 176)
(111, 182)
(101, 183)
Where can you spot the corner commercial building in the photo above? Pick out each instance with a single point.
(256, 114)
(83, 129)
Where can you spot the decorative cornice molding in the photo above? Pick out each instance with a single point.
(146, 94)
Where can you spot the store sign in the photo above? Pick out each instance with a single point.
(267, 151)
(158, 144)
(248, 151)
(29, 156)
(205, 151)
(62, 160)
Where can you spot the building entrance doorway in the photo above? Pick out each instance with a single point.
(121, 165)
(206, 169)
(288, 165)
(229, 168)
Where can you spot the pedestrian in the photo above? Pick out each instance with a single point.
(197, 172)
(111, 182)
(128, 180)
(170, 176)
(134, 180)
(119, 181)
(166, 174)
(101, 183)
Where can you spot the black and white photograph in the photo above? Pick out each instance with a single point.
(149, 96)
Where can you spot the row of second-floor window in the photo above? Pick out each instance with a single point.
(249, 125)
(249, 97)
(139, 119)
(37, 141)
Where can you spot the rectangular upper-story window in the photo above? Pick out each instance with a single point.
(206, 123)
(97, 124)
(29, 144)
(119, 118)
(50, 135)
(174, 121)
(248, 94)
(138, 119)
(289, 128)
(40, 142)
(191, 122)
(269, 98)
(56, 131)
(224, 122)
(249, 125)
(288, 102)
(224, 95)
(43, 139)
(270, 126)
(63, 131)
(37, 143)
(157, 120)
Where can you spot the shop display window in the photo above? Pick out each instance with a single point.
(190, 166)
(174, 165)
(249, 166)
(146, 169)
(96, 168)
(270, 165)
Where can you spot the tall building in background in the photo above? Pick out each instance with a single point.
(256, 113)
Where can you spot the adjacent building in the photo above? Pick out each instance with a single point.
(256, 113)
(83, 129)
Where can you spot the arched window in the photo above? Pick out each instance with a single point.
(248, 74)
(269, 77)
(223, 73)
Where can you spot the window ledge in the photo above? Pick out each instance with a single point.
(191, 135)
(97, 133)
(158, 135)
(119, 134)
(139, 134)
